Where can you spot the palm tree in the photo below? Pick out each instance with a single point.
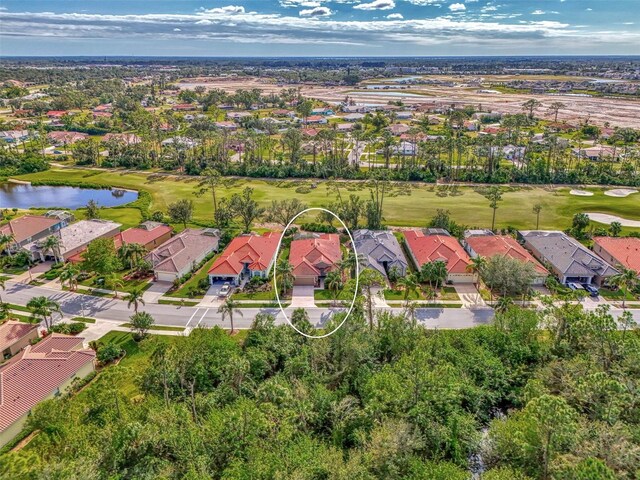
(410, 309)
(227, 309)
(5, 242)
(285, 274)
(504, 304)
(132, 252)
(478, 263)
(627, 280)
(3, 286)
(115, 283)
(440, 272)
(69, 274)
(334, 283)
(410, 285)
(51, 244)
(43, 308)
(134, 297)
(537, 208)
(211, 178)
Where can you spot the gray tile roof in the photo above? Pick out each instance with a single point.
(376, 247)
(566, 254)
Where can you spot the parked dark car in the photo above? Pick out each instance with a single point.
(593, 291)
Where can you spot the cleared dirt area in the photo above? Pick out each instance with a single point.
(616, 111)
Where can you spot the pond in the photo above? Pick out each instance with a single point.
(23, 196)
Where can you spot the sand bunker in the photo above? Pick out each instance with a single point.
(581, 193)
(608, 219)
(620, 192)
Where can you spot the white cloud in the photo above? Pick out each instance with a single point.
(177, 29)
(315, 12)
(395, 16)
(589, 9)
(423, 3)
(227, 9)
(457, 7)
(299, 3)
(376, 5)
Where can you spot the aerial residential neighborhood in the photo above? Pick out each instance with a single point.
(364, 239)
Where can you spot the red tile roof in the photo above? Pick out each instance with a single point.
(429, 248)
(255, 250)
(625, 250)
(309, 255)
(27, 226)
(491, 245)
(12, 332)
(35, 373)
(141, 236)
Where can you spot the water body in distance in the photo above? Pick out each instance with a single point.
(13, 195)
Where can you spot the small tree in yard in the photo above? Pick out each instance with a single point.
(245, 207)
(227, 309)
(92, 210)
(181, 211)
(134, 297)
(141, 322)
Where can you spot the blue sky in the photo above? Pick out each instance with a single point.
(319, 27)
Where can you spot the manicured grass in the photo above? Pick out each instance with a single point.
(328, 295)
(267, 295)
(428, 305)
(13, 270)
(399, 295)
(166, 328)
(262, 305)
(616, 294)
(83, 320)
(19, 308)
(185, 303)
(448, 293)
(408, 204)
(127, 285)
(20, 318)
(203, 272)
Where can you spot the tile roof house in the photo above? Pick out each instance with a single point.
(14, 336)
(316, 119)
(65, 138)
(431, 246)
(247, 256)
(181, 254)
(74, 238)
(126, 138)
(380, 251)
(30, 228)
(398, 128)
(37, 373)
(149, 234)
(569, 260)
(619, 251)
(312, 258)
(490, 245)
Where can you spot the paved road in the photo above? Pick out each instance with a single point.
(74, 304)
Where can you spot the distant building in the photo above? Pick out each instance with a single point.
(65, 138)
(569, 260)
(37, 373)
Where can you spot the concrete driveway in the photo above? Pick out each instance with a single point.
(302, 297)
(155, 291)
(212, 298)
(469, 295)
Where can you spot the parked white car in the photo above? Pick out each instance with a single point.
(224, 291)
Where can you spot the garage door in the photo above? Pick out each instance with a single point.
(305, 281)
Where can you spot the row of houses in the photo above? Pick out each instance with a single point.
(312, 256)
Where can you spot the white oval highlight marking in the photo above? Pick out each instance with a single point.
(275, 273)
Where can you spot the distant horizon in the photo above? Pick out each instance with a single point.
(603, 55)
(319, 28)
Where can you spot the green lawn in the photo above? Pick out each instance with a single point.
(328, 295)
(161, 328)
(203, 272)
(185, 303)
(267, 295)
(83, 320)
(408, 204)
(616, 294)
(127, 285)
(399, 295)
(448, 293)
